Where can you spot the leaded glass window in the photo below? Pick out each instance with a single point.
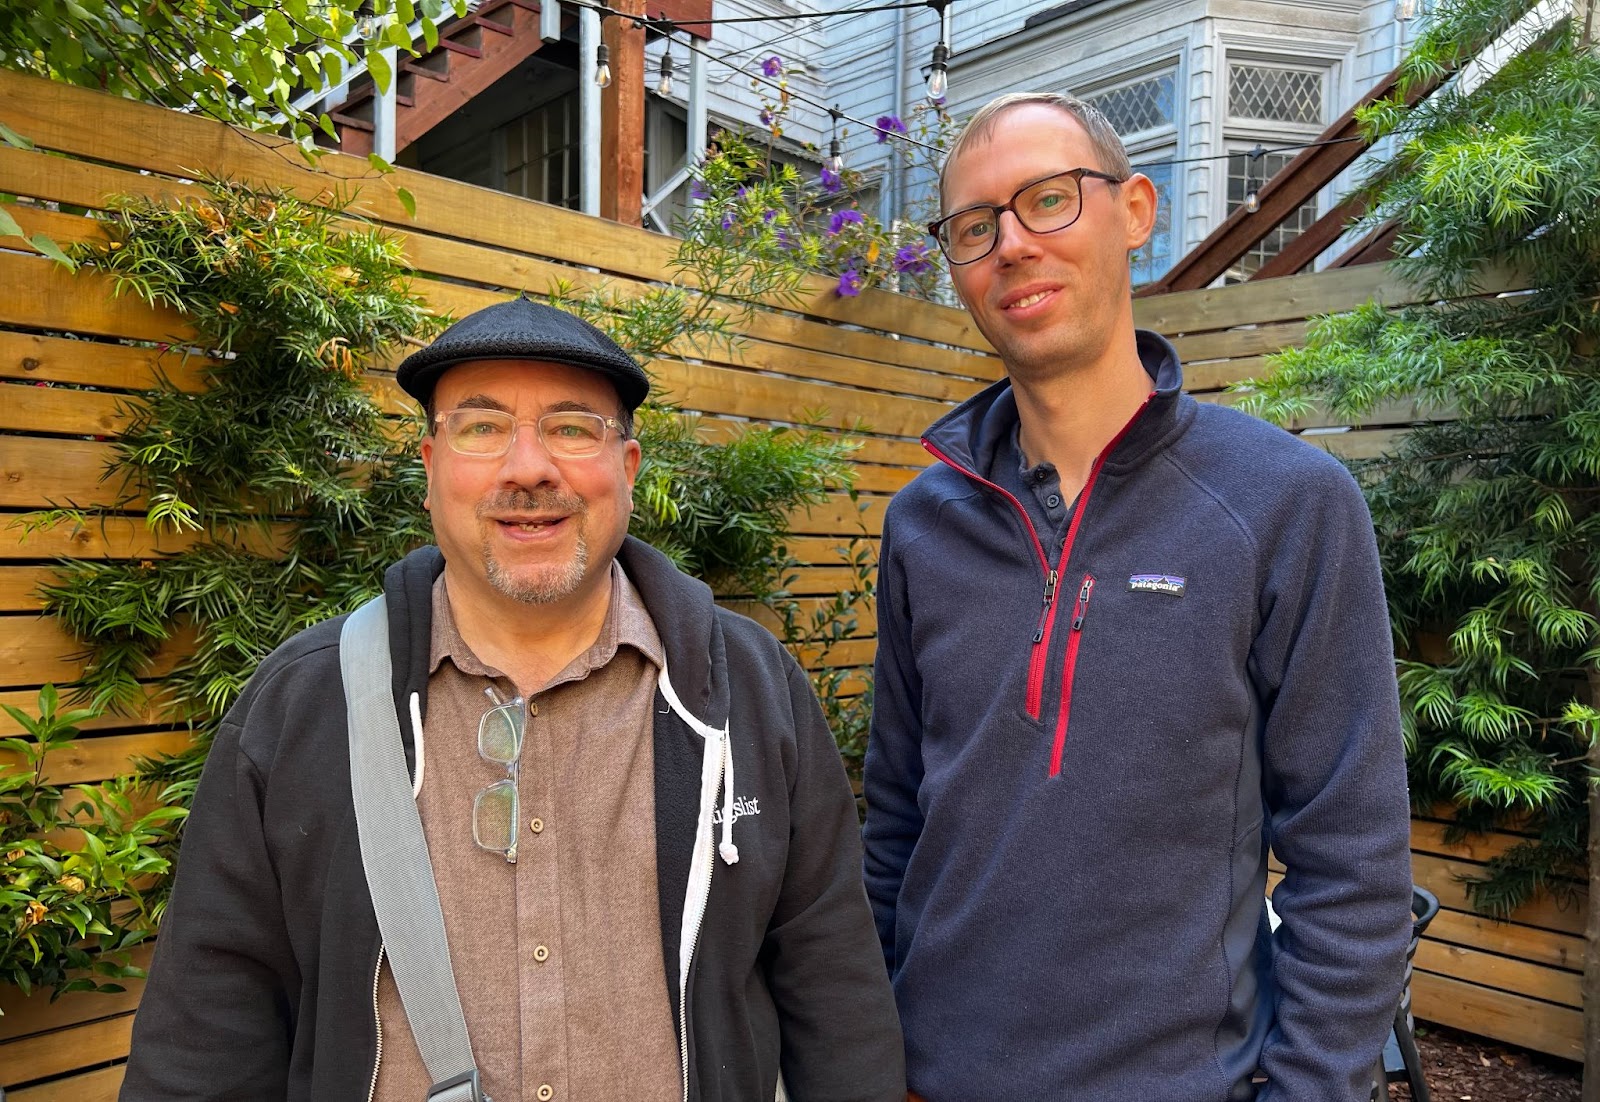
(1275, 94)
(1143, 105)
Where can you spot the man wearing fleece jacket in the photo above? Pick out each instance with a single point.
(1127, 643)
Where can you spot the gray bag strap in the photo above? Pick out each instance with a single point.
(395, 856)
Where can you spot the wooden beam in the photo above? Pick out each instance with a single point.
(622, 119)
(683, 13)
(1300, 253)
(1374, 248)
(1310, 171)
(433, 101)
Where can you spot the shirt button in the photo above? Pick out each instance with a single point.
(545, 1093)
(1053, 500)
(533, 708)
(537, 826)
(541, 954)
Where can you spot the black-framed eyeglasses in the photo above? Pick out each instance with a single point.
(1042, 206)
(487, 433)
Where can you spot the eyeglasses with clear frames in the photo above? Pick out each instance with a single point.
(1042, 206)
(496, 809)
(489, 433)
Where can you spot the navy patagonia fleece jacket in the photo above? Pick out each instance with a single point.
(1086, 741)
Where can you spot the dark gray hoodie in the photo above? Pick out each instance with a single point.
(264, 976)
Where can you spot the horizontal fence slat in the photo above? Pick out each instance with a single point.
(31, 357)
(64, 1050)
(101, 1085)
(1530, 1023)
(104, 756)
(1500, 972)
(1512, 939)
(22, 1015)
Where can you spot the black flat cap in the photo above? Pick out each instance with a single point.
(524, 330)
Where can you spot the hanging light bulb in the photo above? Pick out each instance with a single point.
(1252, 202)
(835, 157)
(665, 87)
(939, 77)
(602, 65)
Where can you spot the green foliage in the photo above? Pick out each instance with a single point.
(1488, 523)
(74, 866)
(240, 62)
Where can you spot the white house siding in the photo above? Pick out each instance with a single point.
(1105, 42)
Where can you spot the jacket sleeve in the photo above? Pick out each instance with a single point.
(893, 771)
(1334, 788)
(214, 1021)
(836, 1016)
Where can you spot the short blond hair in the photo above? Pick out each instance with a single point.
(1103, 136)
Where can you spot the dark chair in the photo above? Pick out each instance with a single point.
(1401, 1061)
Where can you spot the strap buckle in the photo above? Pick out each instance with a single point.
(458, 1088)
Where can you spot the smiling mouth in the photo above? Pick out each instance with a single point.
(530, 525)
(1029, 300)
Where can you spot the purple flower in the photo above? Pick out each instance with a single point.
(842, 218)
(769, 216)
(831, 183)
(766, 117)
(772, 66)
(727, 220)
(889, 124)
(697, 190)
(912, 259)
(849, 283)
(785, 242)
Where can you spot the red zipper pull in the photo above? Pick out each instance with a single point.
(1081, 608)
(1050, 581)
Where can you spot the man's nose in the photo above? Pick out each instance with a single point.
(1013, 240)
(528, 462)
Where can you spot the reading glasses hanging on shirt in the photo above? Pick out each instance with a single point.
(495, 811)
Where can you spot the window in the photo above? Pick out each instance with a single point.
(1143, 105)
(1276, 95)
(540, 153)
(1143, 111)
(1151, 262)
(1247, 174)
(1270, 104)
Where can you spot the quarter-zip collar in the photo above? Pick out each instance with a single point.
(969, 436)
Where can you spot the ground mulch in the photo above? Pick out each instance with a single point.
(1462, 1067)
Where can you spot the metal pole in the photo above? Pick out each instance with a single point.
(383, 105)
(550, 20)
(588, 113)
(696, 148)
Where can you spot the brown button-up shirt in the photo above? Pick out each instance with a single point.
(557, 957)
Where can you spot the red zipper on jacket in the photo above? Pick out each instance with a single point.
(1080, 609)
(1047, 613)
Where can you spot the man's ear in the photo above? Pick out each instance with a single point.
(427, 468)
(1139, 202)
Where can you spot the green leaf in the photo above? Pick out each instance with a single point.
(53, 251)
(378, 65)
(407, 200)
(8, 224)
(430, 35)
(12, 138)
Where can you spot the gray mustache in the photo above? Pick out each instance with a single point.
(528, 501)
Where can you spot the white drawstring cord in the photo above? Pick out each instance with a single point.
(729, 851)
(726, 849)
(416, 738)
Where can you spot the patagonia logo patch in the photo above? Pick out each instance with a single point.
(1170, 584)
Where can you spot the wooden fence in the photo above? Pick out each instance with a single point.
(69, 352)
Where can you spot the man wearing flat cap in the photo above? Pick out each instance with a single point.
(643, 843)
